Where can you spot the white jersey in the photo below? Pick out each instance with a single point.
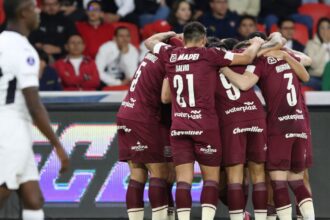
(19, 69)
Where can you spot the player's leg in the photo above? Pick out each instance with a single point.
(158, 186)
(135, 190)
(170, 182)
(223, 187)
(32, 200)
(271, 210)
(4, 194)
(308, 186)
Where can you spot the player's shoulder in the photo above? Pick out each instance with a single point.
(16, 43)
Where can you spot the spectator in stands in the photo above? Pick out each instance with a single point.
(94, 31)
(48, 78)
(118, 10)
(2, 17)
(180, 15)
(77, 72)
(319, 50)
(117, 60)
(247, 26)
(151, 10)
(287, 29)
(200, 8)
(220, 21)
(272, 10)
(73, 10)
(245, 7)
(54, 30)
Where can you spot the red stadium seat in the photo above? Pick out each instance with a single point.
(261, 28)
(301, 32)
(135, 37)
(116, 88)
(315, 10)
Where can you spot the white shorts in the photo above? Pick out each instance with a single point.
(17, 164)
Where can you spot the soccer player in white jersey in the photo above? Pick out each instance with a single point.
(19, 105)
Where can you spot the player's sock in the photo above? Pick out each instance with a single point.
(134, 200)
(235, 201)
(271, 212)
(33, 214)
(298, 213)
(209, 199)
(259, 197)
(303, 198)
(282, 200)
(246, 188)
(171, 209)
(183, 200)
(158, 198)
(223, 196)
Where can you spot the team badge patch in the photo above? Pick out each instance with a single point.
(31, 61)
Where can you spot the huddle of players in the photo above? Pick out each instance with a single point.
(205, 106)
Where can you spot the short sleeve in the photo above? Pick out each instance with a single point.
(220, 57)
(162, 50)
(256, 67)
(27, 69)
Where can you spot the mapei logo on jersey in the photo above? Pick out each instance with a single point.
(179, 133)
(254, 129)
(271, 60)
(139, 147)
(208, 150)
(124, 128)
(31, 61)
(173, 58)
(296, 135)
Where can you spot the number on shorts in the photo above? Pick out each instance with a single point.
(178, 85)
(11, 88)
(291, 96)
(137, 76)
(232, 91)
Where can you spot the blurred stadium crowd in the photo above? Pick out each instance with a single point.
(97, 44)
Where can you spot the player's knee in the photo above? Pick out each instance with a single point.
(234, 175)
(159, 171)
(139, 175)
(34, 202)
(258, 174)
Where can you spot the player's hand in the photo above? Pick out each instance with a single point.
(257, 40)
(65, 162)
(279, 54)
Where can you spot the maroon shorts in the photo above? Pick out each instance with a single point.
(244, 141)
(309, 153)
(201, 146)
(166, 132)
(139, 142)
(287, 152)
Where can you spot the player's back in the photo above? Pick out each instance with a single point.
(235, 105)
(281, 89)
(193, 75)
(142, 103)
(19, 68)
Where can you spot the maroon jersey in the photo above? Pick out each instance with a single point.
(142, 103)
(280, 87)
(234, 105)
(192, 74)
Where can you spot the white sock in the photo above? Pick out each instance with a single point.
(307, 209)
(285, 212)
(33, 214)
(271, 217)
(260, 214)
(159, 213)
(208, 211)
(170, 213)
(184, 213)
(299, 217)
(236, 215)
(135, 214)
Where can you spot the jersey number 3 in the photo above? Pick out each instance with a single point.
(178, 85)
(291, 96)
(11, 89)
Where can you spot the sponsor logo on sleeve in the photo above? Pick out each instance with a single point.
(31, 61)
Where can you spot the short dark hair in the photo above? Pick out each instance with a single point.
(282, 20)
(323, 19)
(120, 28)
(194, 31)
(229, 43)
(248, 17)
(92, 2)
(11, 8)
(214, 42)
(257, 34)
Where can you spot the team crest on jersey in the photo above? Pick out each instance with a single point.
(173, 58)
(271, 60)
(31, 61)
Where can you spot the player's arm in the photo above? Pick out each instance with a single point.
(249, 54)
(298, 68)
(152, 41)
(242, 81)
(166, 92)
(41, 120)
(304, 59)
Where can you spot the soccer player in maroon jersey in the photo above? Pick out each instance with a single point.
(140, 140)
(277, 75)
(192, 75)
(244, 140)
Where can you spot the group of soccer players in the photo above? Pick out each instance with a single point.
(218, 121)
